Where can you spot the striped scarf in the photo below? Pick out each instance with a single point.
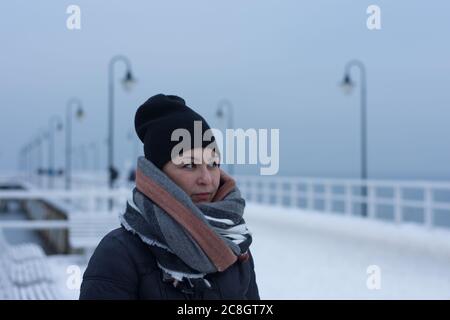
(189, 240)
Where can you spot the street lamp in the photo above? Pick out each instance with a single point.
(347, 86)
(220, 113)
(29, 160)
(96, 155)
(22, 158)
(127, 83)
(134, 145)
(83, 158)
(69, 113)
(38, 141)
(134, 155)
(55, 123)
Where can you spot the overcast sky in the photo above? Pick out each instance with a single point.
(278, 62)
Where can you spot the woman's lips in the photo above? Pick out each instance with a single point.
(202, 196)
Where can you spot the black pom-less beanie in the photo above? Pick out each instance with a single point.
(157, 118)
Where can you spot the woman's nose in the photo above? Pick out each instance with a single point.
(204, 175)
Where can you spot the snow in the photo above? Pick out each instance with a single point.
(67, 271)
(18, 236)
(314, 255)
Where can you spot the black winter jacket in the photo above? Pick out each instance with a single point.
(123, 267)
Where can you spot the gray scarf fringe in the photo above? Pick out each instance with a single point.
(176, 252)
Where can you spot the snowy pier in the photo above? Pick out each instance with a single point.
(309, 239)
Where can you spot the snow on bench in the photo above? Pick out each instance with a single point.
(40, 291)
(24, 272)
(25, 251)
(86, 229)
(28, 272)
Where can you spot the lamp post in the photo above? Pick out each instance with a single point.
(38, 143)
(69, 114)
(127, 82)
(25, 152)
(22, 159)
(347, 85)
(131, 137)
(220, 113)
(83, 158)
(96, 155)
(55, 123)
(29, 160)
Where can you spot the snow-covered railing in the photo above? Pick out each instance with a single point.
(424, 202)
(90, 213)
(81, 200)
(79, 180)
(373, 198)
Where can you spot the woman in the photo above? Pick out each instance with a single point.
(182, 234)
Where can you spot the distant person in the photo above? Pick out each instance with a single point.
(113, 174)
(182, 235)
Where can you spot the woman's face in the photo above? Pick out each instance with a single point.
(196, 172)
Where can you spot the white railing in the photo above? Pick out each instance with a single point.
(377, 199)
(79, 180)
(87, 214)
(73, 202)
(347, 196)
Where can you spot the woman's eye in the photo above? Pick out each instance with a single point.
(214, 164)
(193, 165)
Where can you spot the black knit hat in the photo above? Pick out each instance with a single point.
(157, 118)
